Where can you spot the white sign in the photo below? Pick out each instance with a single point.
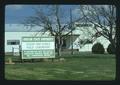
(38, 47)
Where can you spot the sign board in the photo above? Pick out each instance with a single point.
(38, 47)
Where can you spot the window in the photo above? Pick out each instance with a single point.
(84, 25)
(89, 41)
(86, 41)
(13, 42)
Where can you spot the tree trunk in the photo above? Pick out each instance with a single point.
(71, 44)
(59, 50)
(59, 46)
(113, 44)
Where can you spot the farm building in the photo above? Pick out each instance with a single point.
(13, 37)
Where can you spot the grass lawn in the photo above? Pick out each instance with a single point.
(86, 66)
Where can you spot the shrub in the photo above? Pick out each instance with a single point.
(110, 49)
(98, 48)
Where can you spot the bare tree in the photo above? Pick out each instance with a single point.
(103, 17)
(71, 32)
(52, 21)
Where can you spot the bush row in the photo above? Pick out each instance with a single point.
(98, 48)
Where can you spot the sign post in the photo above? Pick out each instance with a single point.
(38, 47)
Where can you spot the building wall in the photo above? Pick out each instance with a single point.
(18, 36)
(102, 40)
(78, 33)
(69, 42)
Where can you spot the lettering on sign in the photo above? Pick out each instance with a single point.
(38, 47)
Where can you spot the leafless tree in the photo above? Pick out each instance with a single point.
(103, 17)
(52, 21)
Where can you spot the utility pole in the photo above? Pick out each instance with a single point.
(71, 31)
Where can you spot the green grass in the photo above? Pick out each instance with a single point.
(86, 66)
